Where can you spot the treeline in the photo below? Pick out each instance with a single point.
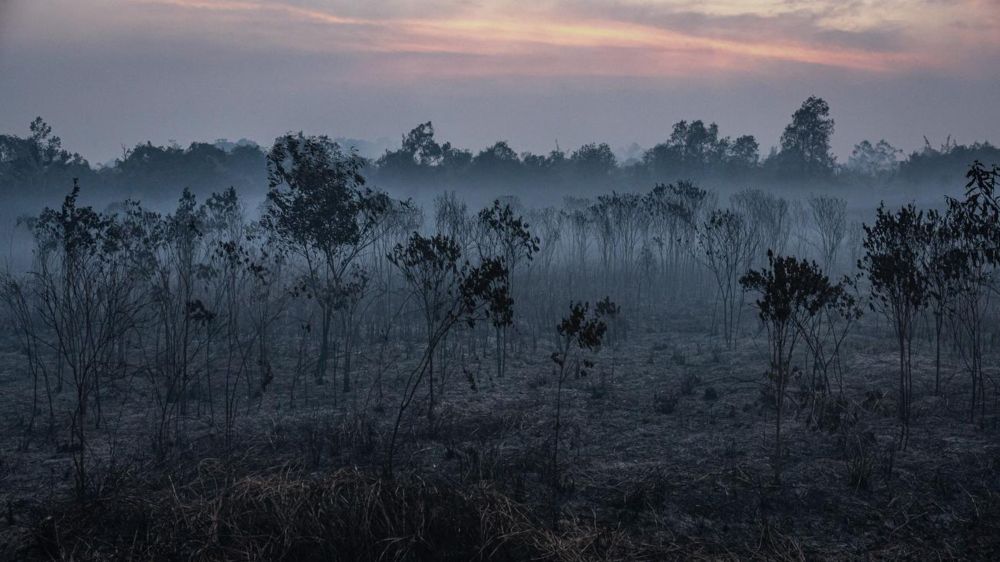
(695, 150)
(38, 166)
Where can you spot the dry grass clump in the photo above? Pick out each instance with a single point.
(287, 514)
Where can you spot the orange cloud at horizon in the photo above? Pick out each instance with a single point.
(461, 35)
(540, 43)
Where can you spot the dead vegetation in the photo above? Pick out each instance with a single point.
(637, 483)
(215, 410)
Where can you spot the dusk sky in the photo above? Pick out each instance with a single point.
(111, 72)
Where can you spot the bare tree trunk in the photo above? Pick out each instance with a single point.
(324, 345)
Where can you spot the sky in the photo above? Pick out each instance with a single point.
(108, 73)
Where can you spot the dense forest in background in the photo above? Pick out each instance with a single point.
(38, 166)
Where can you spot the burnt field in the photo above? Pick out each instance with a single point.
(667, 454)
(469, 280)
(672, 374)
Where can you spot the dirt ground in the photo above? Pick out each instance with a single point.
(666, 452)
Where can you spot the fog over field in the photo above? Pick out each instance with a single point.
(462, 280)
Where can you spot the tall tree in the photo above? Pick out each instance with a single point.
(874, 160)
(38, 160)
(420, 145)
(805, 144)
(319, 207)
(743, 152)
(594, 160)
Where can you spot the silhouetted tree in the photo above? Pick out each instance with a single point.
(727, 244)
(768, 218)
(582, 330)
(37, 161)
(498, 162)
(977, 225)
(791, 292)
(944, 267)
(743, 153)
(319, 207)
(879, 160)
(694, 149)
(939, 165)
(805, 143)
(505, 236)
(594, 161)
(830, 218)
(676, 212)
(84, 285)
(450, 290)
(895, 249)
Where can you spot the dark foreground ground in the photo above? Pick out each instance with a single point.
(666, 454)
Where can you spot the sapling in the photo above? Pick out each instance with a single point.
(791, 292)
(727, 243)
(895, 248)
(582, 330)
(944, 264)
(87, 301)
(449, 291)
(830, 218)
(505, 236)
(977, 234)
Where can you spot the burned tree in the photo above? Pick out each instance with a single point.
(431, 269)
(944, 267)
(977, 234)
(727, 246)
(505, 236)
(85, 289)
(830, 218)
(583, 330)
(895, 249)
(792, 292)
(450, 291)
(768, 217)
(320, 209)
